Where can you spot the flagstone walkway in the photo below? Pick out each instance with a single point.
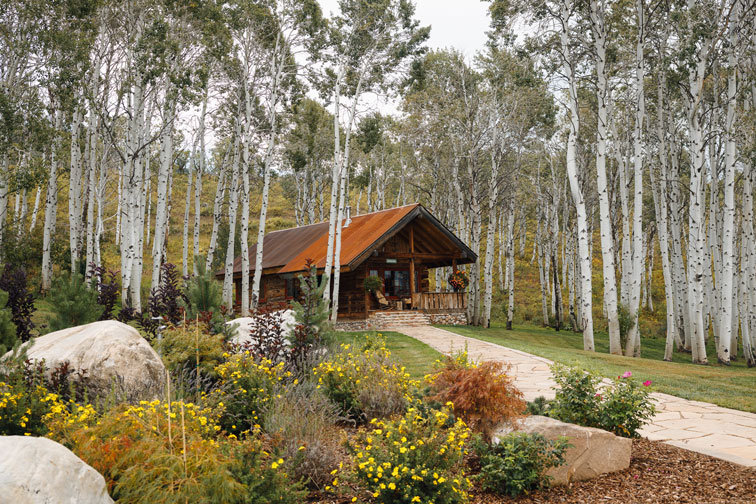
(698, 426)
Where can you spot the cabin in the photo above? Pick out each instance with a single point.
(399, 245)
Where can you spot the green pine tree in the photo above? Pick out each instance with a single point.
(312, 312)
(203, 291)
(73, 303)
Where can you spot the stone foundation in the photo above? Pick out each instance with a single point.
(455, 318)
(353, 325)
(386, 321)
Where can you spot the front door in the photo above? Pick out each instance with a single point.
(396, 281)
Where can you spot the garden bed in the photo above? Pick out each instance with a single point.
(658, 473)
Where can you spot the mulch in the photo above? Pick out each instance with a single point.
(658, 473)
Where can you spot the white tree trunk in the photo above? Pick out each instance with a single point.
(724, 349)
(607, 240)
(586, 289)
(74, 190)
(35, 212)
(632, 348)
(187, 208)
(162, 193)
(510, 267)
(51, 207)
(220, 195)
(233, 185)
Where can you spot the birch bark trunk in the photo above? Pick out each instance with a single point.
(162, 194)
(220, 196)
(233, 185)
(51, 206)
(187, 208)
(74, 189)
(510, 267)
(607, 240)
(632, 348)
(724, 349)
(696, 229)
(577, 192)
(277, 70)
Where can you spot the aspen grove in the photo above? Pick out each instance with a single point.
(598, 156)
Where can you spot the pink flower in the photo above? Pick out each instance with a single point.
(627, 374)
(599, 396)
(647, 383)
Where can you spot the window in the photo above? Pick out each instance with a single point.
(292, 288)
(396, 283)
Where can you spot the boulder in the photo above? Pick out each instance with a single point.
(593, 451)
(281, 321)
(114, 355)
(40, 471)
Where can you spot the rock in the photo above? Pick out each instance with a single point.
(40, 471)
(281, 322)
(593, 451)
(114, 355)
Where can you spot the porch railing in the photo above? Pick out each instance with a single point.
(439, 301)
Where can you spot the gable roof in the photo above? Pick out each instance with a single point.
(288, 250)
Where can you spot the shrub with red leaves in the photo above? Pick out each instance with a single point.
(483, 395)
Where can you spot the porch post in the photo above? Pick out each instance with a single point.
(412, 260)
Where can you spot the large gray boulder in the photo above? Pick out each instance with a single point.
(593, 451)
(114, 355)
(40, 471)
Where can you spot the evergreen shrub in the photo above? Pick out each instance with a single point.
(72, 302)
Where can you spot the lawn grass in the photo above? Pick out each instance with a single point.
(731, 386)
(415, 356)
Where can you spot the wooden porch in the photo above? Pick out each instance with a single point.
(439, 301)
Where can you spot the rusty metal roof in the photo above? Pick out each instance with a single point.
(362, 232)
(280, 247)
(289, 249)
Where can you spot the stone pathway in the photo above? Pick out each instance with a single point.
(698, 426)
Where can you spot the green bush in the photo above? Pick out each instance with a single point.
(539, 406)
(373, 283)
(518, 463)
(72, 302)
(625, 322)
(246, 389)
(23, 409)
(622, 407)
(204, 297)
(411, 459)
(181, 345)
(365, 381)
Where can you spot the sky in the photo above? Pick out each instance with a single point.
(454, 23)
(461, 24)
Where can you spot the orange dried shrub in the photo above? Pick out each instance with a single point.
(483, 395)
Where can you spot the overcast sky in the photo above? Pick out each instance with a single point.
(454, 23)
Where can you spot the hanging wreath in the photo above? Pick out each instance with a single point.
(459, 280)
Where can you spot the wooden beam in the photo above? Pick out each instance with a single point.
(412, 257)
(426, 256)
